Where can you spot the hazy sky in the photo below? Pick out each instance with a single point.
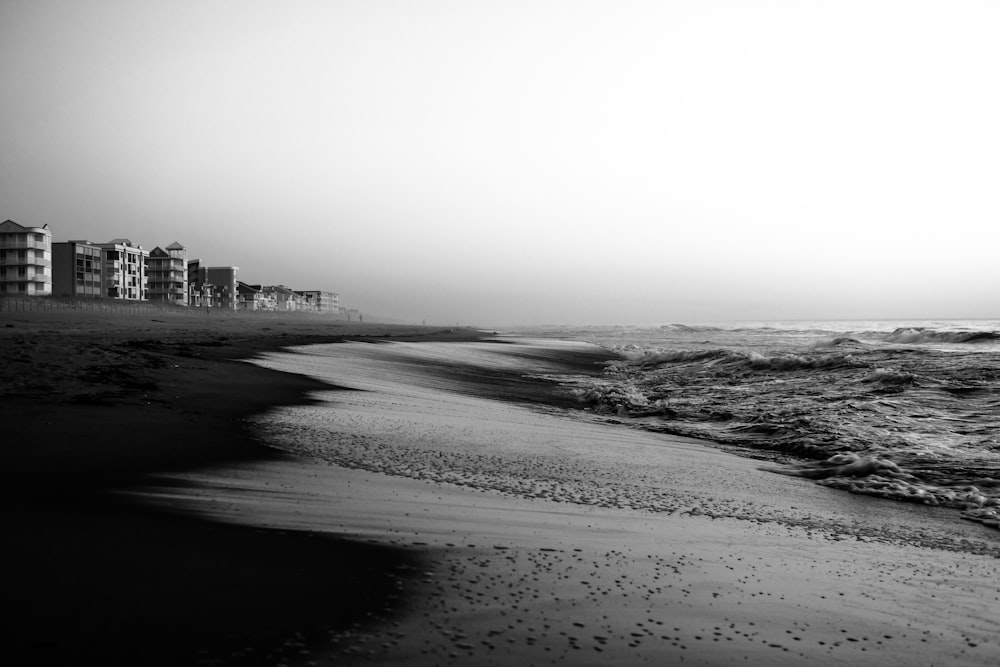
(526, 162)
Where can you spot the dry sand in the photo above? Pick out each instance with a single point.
(669, 551)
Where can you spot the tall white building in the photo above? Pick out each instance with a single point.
(166, 273)
(124, 270)
(25, 259)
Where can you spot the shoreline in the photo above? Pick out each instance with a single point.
(733, 564)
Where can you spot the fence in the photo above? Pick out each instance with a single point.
(38, 304)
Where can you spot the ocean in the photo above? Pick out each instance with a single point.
(905, 410)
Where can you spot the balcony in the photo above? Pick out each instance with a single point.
(24, 261)
(13, 278)
(176, 291)
(7, 243)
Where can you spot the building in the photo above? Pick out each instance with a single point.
(252, 297)
(25, 259)
(320, 301)
(77, 269)
(212, 286)
(279, 297)
(166, 270)
(124, 270)
(285, 298)
(115, 270)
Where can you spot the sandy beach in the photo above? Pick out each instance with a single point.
(93, 402)
(479, 524)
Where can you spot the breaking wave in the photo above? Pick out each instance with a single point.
(736, 360)
(917, 335)
(874, 476)
(853, 410)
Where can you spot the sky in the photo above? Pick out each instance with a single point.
(505, 162)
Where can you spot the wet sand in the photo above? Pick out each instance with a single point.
(191, 543)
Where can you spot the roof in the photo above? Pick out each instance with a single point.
(244, 288)
(11, 226)
(175, 246)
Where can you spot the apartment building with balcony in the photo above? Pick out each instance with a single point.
(279, 297)
(167, 275)
(124, 270)
(253, 297)
(320, 301)
(25, 259)
(212, 286)
(77, 269)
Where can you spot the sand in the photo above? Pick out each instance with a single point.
(94, 402)
(198, 545)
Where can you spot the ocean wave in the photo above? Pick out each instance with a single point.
(621, 399)
(883, 478)
(814, 392)
(648, 357)
(917, 335)
(837, 341)
(688, 327)
(736, 359)
(891, 377)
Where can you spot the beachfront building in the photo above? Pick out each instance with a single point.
(166, 270)
(284, 298)
(212, 286)
(124, 270)
(25, 259)
(114, 270)
(77, 269)
(279, 297)
(320, 302)
(252, 297)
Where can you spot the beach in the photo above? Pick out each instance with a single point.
(93, 402)
(168, 508)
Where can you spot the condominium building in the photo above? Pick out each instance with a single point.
(25, 259)
(320, 301)
(124, 270)
(114, 270)
(167, 277)
(77, 269)
(279, 297)
(253, 297)
(212, 286)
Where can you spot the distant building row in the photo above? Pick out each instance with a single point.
(31, 264)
